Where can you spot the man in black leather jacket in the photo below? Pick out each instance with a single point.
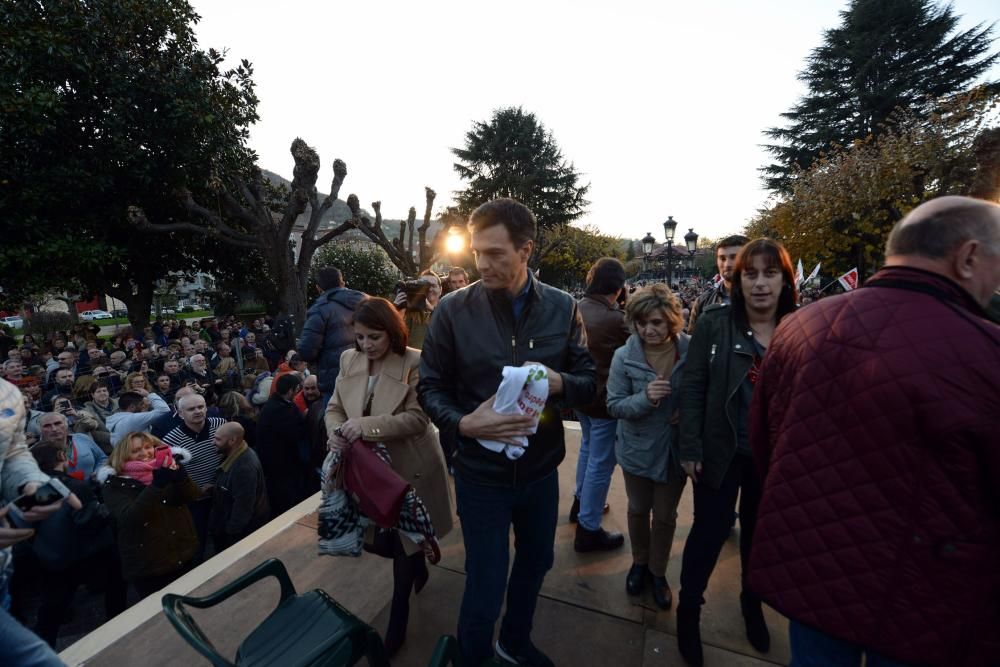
(725, 259)
(508, 318)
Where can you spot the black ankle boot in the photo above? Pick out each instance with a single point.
(399, 613)
(689, 634)
(420, 573)
(753, 617)
(574, 510)
(661, 592)
(636, 578)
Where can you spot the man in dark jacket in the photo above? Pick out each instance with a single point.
(606, 330)
(328, 331)
(239, 502)
(726, 251)
(508, 318)
(280, 430)
(875, 424)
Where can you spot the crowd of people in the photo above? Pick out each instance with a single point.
(852, 439)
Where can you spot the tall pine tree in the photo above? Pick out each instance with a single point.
(513, 155)
(885, 54)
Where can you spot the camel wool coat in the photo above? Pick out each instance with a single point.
(397, 421)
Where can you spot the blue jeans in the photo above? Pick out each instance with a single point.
(812, 648)
(594, 467)
(20, 647)
(487, 514)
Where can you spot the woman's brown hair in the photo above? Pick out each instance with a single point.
(656, 297)
(775, 256)
(379, 314)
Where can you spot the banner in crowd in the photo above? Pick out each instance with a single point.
(799, 273)
(716, 279)
(850, 279)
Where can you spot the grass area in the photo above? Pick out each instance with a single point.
(124, 320)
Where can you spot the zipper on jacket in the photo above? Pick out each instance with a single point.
(513, 351)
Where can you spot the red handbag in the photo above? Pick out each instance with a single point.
(378, 489)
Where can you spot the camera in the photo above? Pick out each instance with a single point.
(46, 494)
(414, 288)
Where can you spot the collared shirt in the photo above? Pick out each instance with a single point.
(521, 299)
(233, 455)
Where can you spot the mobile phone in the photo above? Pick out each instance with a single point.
(46, 494)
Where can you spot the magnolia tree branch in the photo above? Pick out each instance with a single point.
(138, 217)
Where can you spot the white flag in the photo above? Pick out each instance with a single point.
(815, 272)
(799, 273)
(850, 279)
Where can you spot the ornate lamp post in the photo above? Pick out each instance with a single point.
(647, 249)
(691, 241)
(669, 229)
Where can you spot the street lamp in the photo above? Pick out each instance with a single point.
(669, 229)
(691, 241)
(647, 249)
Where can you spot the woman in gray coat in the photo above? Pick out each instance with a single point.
(642, 394)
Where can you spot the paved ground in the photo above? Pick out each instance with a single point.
(584, 617)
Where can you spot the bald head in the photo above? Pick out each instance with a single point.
(957, 237)
(228, 437)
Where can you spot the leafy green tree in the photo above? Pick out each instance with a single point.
(572, 252)
(514, 155)
(366, 266)
(841, 210)
(106, 105)
(884, 55)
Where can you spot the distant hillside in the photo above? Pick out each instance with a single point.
(339, 212)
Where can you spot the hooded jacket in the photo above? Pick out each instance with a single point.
(327, 332)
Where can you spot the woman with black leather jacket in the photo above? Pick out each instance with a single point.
(724, 359)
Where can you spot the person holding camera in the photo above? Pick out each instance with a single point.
(148, 493)
(417, 299)
(75, 546)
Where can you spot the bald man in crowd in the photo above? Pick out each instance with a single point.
(875, 424)
(239, 503)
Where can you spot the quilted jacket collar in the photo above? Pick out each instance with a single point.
(927, 282)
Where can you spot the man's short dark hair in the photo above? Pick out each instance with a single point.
(734, 240)
(455, 270)
(48, 455)
(100, 384)
(288, 382)
(606, 276)
(512, 214)
(329, 277)
(127, 400)
(937, 235)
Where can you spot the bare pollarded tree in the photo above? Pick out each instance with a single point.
(246, 216)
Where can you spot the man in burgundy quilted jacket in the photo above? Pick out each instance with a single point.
(876, 425)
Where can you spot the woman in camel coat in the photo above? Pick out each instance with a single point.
(375, 399)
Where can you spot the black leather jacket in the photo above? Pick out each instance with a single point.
(472, 336)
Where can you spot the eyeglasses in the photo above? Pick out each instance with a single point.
(102, 375)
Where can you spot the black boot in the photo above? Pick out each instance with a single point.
(399, 613)
(753, 617)
(689, 634)
(661, 592)
(636, 578)
(420, 574)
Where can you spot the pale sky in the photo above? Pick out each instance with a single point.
(660, 105)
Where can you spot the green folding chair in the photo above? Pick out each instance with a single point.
(311, 629)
